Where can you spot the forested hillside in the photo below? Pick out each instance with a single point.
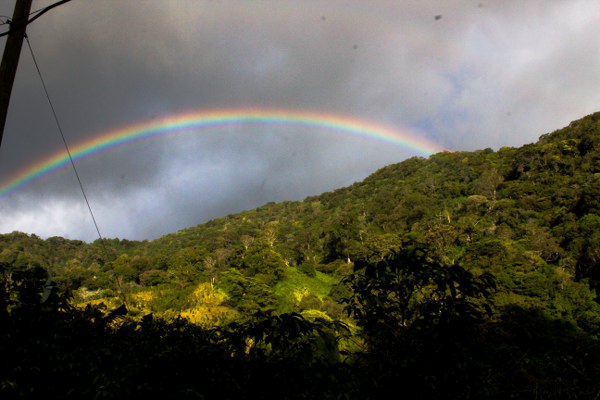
(493, 256)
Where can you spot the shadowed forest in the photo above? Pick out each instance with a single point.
(466, 275)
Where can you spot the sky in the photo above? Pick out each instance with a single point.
(431, 75)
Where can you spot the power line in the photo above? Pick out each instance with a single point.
(38, 10)
(15, 26)
(65, 144)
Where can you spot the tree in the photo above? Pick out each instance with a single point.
(377, 247)
(418, 317)
(261, 261)
(122, 268)
(589, 243)
(246, 293)
(407, 294)
(187, 264)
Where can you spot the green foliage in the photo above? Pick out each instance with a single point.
(246, 294)
(263, 260)
(172, 298)
(288, 338)
(298, 291)
(528, 215)
(308, 268)
(123, 267)
(20, 286)
(152, 277)
(69, 353)
(377, 247)
(408, 294)
(186, 265)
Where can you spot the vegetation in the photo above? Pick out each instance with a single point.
(464, 275)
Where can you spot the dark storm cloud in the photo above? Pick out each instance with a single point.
(486, 74)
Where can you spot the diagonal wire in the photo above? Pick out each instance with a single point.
(64, 141)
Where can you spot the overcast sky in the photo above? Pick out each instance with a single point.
(463, 74)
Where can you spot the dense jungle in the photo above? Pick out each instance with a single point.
(464, 275)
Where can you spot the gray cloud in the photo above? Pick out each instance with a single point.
(485, 74)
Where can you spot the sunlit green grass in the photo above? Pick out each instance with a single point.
(320, 285)
(296, 285)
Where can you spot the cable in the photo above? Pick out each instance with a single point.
(65, 144)
(14, 26)
(37, 11)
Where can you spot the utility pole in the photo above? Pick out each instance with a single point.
(10, 58)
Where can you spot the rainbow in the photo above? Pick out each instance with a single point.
(208, 119)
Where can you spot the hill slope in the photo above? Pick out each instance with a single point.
(530, 215)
